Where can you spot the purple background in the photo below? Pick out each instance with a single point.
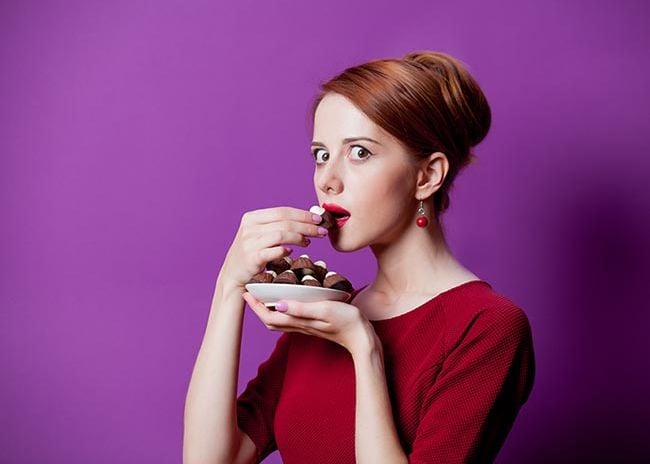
(133, 136)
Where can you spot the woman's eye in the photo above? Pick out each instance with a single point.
(360, 152)
(324, 156)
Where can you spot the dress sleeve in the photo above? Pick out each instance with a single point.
(257, 403)
(472, 403)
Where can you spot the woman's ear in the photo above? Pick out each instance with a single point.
(431, 175)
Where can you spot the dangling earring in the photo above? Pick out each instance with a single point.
(422, 220)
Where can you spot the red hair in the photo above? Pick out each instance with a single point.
(427, 100)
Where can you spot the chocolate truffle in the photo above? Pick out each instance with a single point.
(303, 266)
(328, 221)
(337, 281)
(264, 277)
(286, 277)
(321, 270)
(310, 281)
(279, 265)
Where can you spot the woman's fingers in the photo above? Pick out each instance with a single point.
(276, 237)
(275, 320)
(261, 234)
(288, 232)
(312, 230)
(281, 213)
(267, 255)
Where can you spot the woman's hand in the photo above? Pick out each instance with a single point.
(260, 238)
(339, 322)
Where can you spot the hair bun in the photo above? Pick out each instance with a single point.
(465, 99)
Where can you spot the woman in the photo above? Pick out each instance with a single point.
(425, 364)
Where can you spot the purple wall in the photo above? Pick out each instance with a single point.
(133, 135)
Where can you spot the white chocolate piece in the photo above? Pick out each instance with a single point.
(330, 273)
(321, 264)
(308, 277)
(305, 256)
(272, 273)
(317, 210)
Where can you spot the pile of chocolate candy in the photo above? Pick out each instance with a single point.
(301, 271)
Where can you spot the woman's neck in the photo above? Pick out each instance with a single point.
(418, 262)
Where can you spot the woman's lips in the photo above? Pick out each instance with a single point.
(340, 222)
(340, 214)
(336, 209)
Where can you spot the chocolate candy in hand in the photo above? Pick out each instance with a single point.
(327, 220)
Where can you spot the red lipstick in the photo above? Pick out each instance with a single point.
(341, 215)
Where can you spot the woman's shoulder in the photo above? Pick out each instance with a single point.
(480, 296)
(488, 302)
(486, 312)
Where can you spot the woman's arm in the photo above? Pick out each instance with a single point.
(376, 439)
(211, 434)
(475, 395)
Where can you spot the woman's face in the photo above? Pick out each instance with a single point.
(365, 170)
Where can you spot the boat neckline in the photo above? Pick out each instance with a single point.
(426, 303)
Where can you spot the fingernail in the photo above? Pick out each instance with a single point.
(322, 231)
(282, 307)
(316, 218)
(307, 241)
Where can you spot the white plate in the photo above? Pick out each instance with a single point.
(270, 294)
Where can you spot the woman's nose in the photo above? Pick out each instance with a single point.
(328, 179)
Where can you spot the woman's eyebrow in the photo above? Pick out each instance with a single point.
(347, 140)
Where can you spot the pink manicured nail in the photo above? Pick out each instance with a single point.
(282, 307)
(316, 218)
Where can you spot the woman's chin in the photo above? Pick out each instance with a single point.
(339, 243)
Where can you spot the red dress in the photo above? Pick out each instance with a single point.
(458, 368)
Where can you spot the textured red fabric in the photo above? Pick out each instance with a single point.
(459, 367)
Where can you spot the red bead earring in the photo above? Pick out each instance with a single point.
(422, 220)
